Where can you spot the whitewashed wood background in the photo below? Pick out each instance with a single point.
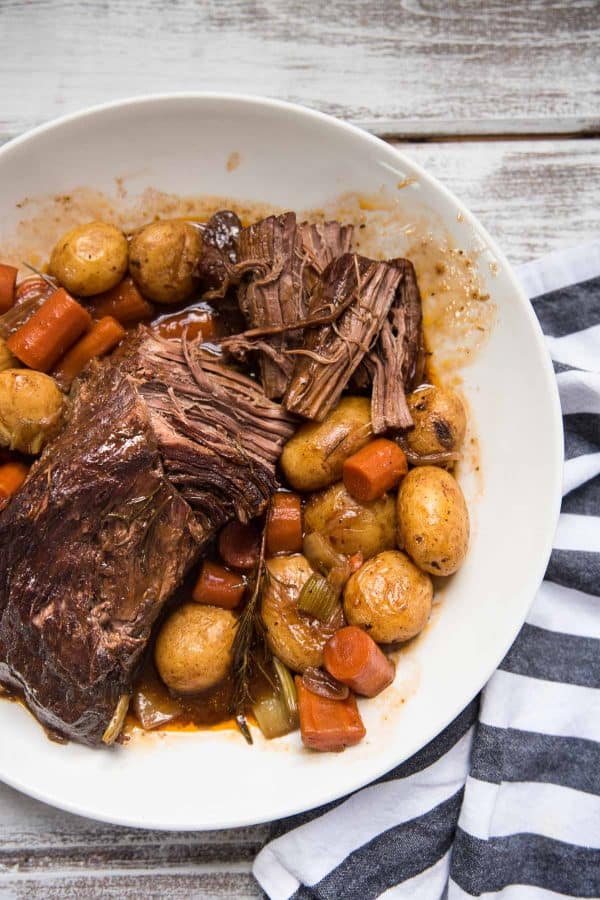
(500, 99)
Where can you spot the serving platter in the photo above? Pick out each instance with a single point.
(258, 150)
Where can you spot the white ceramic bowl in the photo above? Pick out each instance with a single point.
(298, 158)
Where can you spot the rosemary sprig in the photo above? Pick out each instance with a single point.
(50, 281)
(243, 649)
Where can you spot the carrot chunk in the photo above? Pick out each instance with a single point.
(284, 523)
(374, 469)
(50, 331)
(352, 657)
(123, 302)
(216, 586)
(328, 724)
(8, 279)
(239, 546)
(12, 476)
(100, 339)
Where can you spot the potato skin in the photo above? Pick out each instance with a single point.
(162, 260)
(90, 258)
(352, 526)
(193, 648)
(7, 360)
(433, 520)
(295, 639)
(314, 457)
(389, 597)
(31, 409)
(439, 420)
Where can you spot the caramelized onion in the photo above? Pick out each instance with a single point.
(321, 683)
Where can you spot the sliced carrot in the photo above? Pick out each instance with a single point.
(8, 279)
(100, 339)
(328, 724)
(123, 302)
(352, 657)
(12, 476)
(50, 331)
(217, 586)
(284, 523)
(374, 469)
(239, 546)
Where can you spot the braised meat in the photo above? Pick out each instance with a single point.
(358, 294)
(219, 252)
(284, 261)
(321, 243)
(396, 362)
(90, 550)
(164, 444)
(219, 436)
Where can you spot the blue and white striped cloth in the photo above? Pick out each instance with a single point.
(505, 803)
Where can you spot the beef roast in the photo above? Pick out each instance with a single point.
(282, 262)
(320, 244)
(396, 362)
(90, 549)
(162, 446)
(357, 293)
(219, 436)
(219, 252)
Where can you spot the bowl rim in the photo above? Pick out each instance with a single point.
(554, 449)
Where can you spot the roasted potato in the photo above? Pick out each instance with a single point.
(296, 639)
(90, 258)
(389, 597)
(433, 520)
(7, 360)
(352, 526)
(193, 648)
(162, 260)
(314, 457)
(439, 421)
(31, 409)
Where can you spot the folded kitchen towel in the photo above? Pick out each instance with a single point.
(506, 801)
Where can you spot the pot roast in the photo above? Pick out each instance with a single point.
(166, 442)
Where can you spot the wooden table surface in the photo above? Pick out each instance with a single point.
(499, 99)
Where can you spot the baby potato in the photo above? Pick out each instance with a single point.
(162, 260)
(350, 525)
(389, 597)
(31, 409)
(433, 520)
(193, 648)
(90, 258)
(314, 457)
(439, 420)
(296, 639)
(7, 360)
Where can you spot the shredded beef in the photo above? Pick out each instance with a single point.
(163, 445)
(360, 293)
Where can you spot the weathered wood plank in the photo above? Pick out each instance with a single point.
(533, 196)
(404, 67)
(176, 884)
(34, 836)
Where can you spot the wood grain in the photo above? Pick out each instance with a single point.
(47, 853)
(414, 67)
(533, 196)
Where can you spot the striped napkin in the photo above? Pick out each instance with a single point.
(506, 801)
